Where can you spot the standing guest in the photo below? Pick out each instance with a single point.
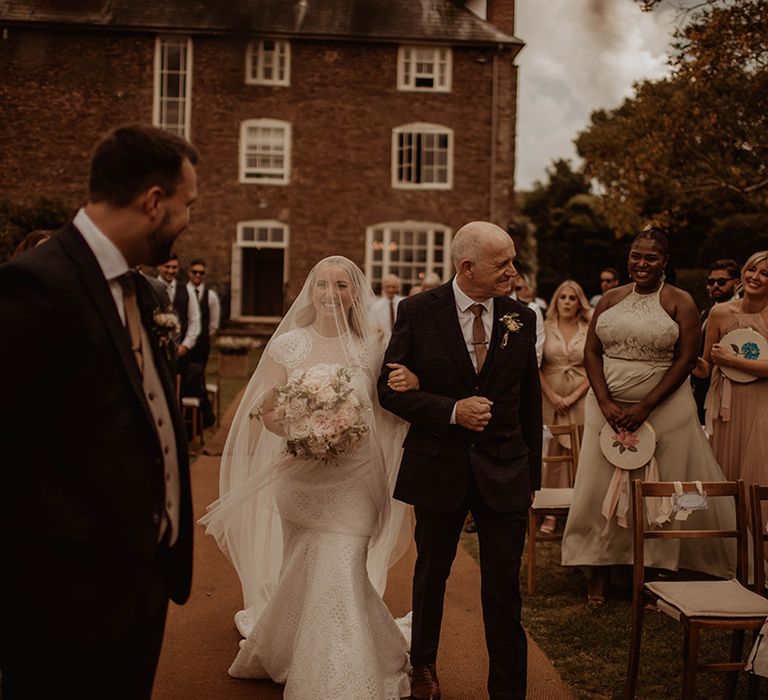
(722, 277)
(521, 290)
(32, 240)
(210, 317)
(97, 515)
(609, 278)
(737, 413)
(564, 380)
(474, 444)
(184, 304)
(385, 307)
(526, 291)
(641, 345)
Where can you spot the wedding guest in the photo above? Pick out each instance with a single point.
(210, 317)
(564, 380)
(722, 277)
(385, 307)
(431, 281)
(157, 285)
(525, 287)
(737, 412)
(96, 528)
(185, 305)
(609, 279)
(32, 240)
(641, 345)
(521, 286)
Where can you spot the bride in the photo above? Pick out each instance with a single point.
(305, 514)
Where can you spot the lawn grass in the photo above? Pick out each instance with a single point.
(590, 647)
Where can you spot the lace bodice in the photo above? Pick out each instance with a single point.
(638, 328)
(303, 348)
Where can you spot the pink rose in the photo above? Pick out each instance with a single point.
(322, 422)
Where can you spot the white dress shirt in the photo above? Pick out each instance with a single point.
(109, 258)
(380, 311)
(214, 305)
(467, 318)
(193, 314)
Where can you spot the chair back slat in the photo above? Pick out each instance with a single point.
(758, 494)
(571, 458)
(642, 490)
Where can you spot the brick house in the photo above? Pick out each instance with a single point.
(367, 128)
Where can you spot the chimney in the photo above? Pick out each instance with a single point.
(501, 14)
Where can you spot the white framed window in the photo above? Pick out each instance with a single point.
(426, 68)
(408, 249)
(422, 157)
(259, 270)
(265, 151)
(268, 62)
(171, 106)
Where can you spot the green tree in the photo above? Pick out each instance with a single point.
(17, 221)
(690, 150)
(573, 238)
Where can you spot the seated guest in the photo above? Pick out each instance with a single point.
(564, 380)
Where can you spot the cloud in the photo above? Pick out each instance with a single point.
(580, 55)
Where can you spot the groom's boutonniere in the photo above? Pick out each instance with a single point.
(166, 327)
(511, 325)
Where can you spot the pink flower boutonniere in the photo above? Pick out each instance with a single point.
(511, 325)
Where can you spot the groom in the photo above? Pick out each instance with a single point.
(474, 444)
(97, 517)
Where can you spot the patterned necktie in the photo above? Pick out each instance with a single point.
(132, 318)
(391, 313)
(478, 335)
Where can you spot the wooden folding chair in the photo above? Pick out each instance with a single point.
(698, 605)
(554, 502)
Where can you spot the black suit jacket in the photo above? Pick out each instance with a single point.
(82, 471)
(439, 458)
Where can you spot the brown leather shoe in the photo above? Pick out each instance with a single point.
(424, 683)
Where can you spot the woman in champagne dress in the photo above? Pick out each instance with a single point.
(641, 345)
(564, 380)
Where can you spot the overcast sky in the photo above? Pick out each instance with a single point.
(580, 55)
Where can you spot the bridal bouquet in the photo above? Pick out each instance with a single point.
(320, 413)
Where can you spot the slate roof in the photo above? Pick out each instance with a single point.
(445, 21)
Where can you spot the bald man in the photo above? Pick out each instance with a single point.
(474, 445)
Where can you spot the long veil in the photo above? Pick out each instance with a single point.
(244, 520)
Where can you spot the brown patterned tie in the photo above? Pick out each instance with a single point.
(132, 318)
(478, 335)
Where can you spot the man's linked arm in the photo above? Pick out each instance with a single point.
(424, 409)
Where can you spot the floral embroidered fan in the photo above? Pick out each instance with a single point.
(746, 343)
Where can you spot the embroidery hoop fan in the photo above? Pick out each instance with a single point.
(738, 337)
(646, 446)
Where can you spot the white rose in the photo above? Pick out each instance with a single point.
(322, 422)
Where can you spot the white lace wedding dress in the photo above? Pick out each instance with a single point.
(322, 628)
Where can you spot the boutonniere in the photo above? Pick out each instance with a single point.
(166, 328)
(511, 325)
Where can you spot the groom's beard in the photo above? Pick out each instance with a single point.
(160, 243)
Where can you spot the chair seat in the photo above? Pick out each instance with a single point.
(709, 598)
(212, 388)
(190, 402)
(552, 498)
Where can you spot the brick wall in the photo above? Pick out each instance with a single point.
(60, 92)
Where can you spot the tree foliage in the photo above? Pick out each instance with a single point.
(691, 149)
(574, 240)
(17, 221)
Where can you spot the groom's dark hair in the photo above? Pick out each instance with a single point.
(131, 159)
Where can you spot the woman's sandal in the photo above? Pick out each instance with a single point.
(596, 600)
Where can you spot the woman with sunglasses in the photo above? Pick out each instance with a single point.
(737, 413)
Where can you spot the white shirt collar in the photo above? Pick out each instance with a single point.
(109, 257)
(464, 302)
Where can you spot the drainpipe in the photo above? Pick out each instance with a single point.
(494, 135)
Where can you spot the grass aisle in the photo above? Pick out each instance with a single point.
(590, 648)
